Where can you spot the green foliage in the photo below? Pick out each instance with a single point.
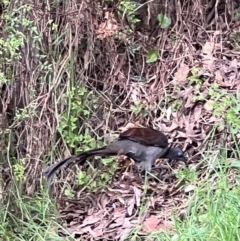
(80, 104)
(194, 79)
(14, 37)
(164, 20)
(186, 175)
(226, 105)
(177, 104)
(78, 98)
(10, 42)
(83, 178)
(235, 40)
(152, 56)
(68, 193)
(235, 164)
(237, 14)
(18, 170)
(22, 114)
(140, 109)
(129, 10)
(134, 48)
(101, 180)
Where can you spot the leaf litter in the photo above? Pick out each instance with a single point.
(114, 211)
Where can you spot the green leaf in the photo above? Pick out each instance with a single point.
(235, 164)
(82, 178)
(164, 20)
(68, 193)
(152, 56)
(86, 112)
(106, 161)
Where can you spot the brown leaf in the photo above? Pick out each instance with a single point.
(208, 48)
(209, 105)
(137, 192)
(130, 205)
(218, 76)
(213, 119)
(128, 126)
(104, 200)
(173, 126)
(90, 220)
(118, 213)
(189, 188)
(197, 114)
(123, 234)
(207, 54)
(117, 223)
(187, 95)
(150, 224)
(189, 126)
(129, 223)
(234, 64)
(180, 77)
(108, 27)
(95, 233)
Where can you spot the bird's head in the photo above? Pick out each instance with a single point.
(177, 154)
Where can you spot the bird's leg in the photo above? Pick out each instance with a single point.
(148, 165)
(139, 166)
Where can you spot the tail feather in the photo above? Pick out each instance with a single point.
(79, 158)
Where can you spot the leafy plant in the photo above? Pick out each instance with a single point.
(83, 178)
(80, 104)
(139, 108)
(69, 125)
(68, 193)
(18, 170)
(186, 175)
(194, 79)
(164, 20)
(129, 10)
(101, 180)
(227, 105)
(152, 56)
(177, 104)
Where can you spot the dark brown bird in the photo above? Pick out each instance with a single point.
(143, 145)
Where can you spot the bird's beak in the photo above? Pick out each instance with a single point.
(184, 159)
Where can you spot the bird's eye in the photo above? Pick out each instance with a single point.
(180, 154)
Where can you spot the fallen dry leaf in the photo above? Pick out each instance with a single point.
(129, 223)
(180, 77)
(130, 206)
(108, 27)
(218, 76)
(187, 95)
(155, 223)
(137, 192)
(90, 220)
(208, 48)
(128, 126)
(209, 105)
(207, 56)
(150, 224)
(189, 188)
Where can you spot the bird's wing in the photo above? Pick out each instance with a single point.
(145, 136)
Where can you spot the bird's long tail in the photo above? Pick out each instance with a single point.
(79, 158)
